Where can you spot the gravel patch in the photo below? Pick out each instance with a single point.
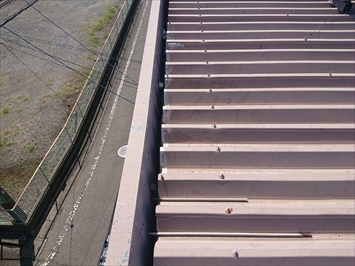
(35, 90)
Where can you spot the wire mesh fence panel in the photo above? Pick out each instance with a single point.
(5, 218)
(32, 195)
(42, 178)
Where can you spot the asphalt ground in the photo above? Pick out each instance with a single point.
(77, 226)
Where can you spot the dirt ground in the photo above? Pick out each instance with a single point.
(34, 89)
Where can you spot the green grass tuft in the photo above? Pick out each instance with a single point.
(31, 147)
(5, 111)
(94, 41)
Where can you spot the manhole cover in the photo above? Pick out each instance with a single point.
(122, 151)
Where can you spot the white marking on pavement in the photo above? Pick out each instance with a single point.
(93, 167)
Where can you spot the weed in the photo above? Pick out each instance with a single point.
(4, 81)
(44, 97)
(4, 138)
(109, 14)
(5, 111)
(3, 141)
(99, 25)
(23, 98)
(31, 147)
(14, 180)
(73, 86)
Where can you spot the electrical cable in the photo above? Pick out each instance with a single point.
(65, 46)
(81, 74)
(56, 94)
(6, 3)
(97, 54)
(64, 60)
(17, 13)
(53, 43)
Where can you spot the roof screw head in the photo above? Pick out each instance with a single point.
(203, 40)
(212, 107)
(214, 126)
(228, 210)
(221, 176)
(161, 177)
(210, 90)
(207, 62)
(218, 149)
(236, 255)
(205, 51)
(208, 75)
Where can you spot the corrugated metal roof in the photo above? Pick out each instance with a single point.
(257, 151)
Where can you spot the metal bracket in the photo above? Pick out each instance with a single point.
(342, 5)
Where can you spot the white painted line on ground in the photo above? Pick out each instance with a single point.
(93, 167)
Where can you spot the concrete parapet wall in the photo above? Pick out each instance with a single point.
(134, 214)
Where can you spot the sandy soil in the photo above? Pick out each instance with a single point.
(34, 89)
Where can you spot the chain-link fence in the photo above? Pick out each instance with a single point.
(42, 178)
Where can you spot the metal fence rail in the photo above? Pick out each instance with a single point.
(42, 179)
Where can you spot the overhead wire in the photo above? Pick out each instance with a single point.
(17, 13)
(74, 70)
(64, 60)
(51, 43)
(65, 46)
(92, 51)
(45, 84)
(6, 3)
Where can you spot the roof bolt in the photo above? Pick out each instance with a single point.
(236, 255)
(210, 90)
(161, 177)
(212, 107)
(221, 176)
(218, 149)
(203, 40)
(330, 73)
(201, 30)
(228, 210)
(207, 62)
(214, 126)
(205, 51)
(208, 75)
